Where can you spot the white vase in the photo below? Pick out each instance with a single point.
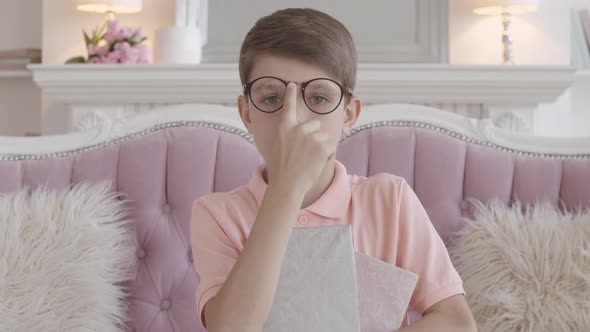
(178, 45)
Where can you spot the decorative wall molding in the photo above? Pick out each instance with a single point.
(425, 40)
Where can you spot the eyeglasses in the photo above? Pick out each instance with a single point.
(321, 95)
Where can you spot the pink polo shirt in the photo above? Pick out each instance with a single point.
(387, 220)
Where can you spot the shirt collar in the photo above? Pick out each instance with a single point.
(332, 204)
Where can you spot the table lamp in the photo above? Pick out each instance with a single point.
(505, 8)
(110, 7)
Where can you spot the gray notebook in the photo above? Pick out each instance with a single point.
(317, 287)
(384, 293)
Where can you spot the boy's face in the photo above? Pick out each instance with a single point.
(263, 126)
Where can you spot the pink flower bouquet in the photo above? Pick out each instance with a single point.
(115, 43)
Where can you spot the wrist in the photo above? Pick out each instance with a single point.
(288, 190)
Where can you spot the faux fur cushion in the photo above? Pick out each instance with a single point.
(62, 254)
(525, 269)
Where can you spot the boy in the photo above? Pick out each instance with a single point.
(298, 67)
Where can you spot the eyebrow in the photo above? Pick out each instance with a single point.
(270, 85)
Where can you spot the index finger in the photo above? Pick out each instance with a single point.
(290, 105)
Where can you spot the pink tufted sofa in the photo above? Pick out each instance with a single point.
(164, 160)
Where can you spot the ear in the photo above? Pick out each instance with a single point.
(351, 114)
(244, 111)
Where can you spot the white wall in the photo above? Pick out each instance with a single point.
(60, 18)
(580, 102)
(387, 31)
(20, 104)
(570, 114)
(20, 24)
(539, 38)
(580, 92)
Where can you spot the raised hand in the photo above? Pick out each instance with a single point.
(300, 150)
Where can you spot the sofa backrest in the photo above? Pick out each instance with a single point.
(164, 161)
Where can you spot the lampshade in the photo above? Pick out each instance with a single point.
(499, 7)
(113, 6)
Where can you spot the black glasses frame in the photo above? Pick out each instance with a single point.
(343, 91)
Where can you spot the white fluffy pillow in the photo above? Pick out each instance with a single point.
(525, 271)
(61, 255)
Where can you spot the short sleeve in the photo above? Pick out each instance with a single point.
(214, 254)
(421, 250)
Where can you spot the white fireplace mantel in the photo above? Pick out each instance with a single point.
(472, 90)
(376, 83)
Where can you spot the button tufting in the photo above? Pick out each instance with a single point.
(165, 305)
(140, 253)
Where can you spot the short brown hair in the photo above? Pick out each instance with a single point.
(306, 34)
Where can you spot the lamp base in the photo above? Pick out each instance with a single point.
(110, 16)
(507, 38)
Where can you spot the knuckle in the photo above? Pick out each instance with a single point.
(300, 127)
(308, 127)
(319, 139)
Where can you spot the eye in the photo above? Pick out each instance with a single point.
(271, 100)
(317, 99)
